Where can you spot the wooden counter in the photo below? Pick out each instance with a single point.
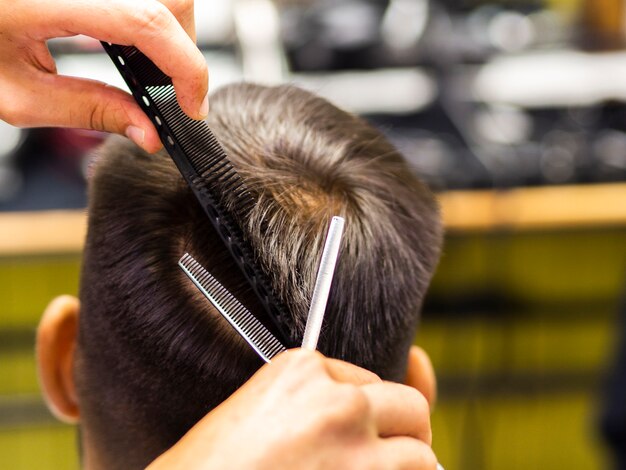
(551, 207)
(485, 210)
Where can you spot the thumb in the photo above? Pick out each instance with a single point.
(89, 104)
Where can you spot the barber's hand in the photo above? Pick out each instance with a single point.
(34, 95)
(306, 411)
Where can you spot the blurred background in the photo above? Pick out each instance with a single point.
(514, 111)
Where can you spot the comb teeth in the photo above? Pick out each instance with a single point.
(203, 162)
(246, 324)
(206, 155)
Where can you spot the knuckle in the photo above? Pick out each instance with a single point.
(421, 457)
(423, 412)
(299, 365)
(417, 400)
(95, 118)
(179, 7)
(106, 111)
(153, 17)
(429, 459)
(422, 403)
(353, 402)
(429, 434)
(307, 360)
(344, 412)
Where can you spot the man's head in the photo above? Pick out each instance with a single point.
(152, 355)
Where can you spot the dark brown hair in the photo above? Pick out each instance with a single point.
(153, 356)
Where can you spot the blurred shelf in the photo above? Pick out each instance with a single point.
(551, 207)
(32, 233)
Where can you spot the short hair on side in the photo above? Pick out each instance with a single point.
(153, 356)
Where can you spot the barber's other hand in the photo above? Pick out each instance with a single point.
(306, 411)
(34, 95)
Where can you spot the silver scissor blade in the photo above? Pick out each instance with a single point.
(242, 320)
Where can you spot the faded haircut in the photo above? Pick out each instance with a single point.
(153, 355)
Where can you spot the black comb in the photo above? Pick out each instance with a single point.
(203, 162)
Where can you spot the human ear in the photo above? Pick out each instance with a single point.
(56, 343)
(421, 375)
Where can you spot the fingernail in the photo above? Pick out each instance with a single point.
(204, 107)
(136, 134)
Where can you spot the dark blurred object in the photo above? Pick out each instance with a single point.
(613, 418)
(510, 147)
(327, 35)
(434, 149)
(468, 5)
(494, 136)
(330, 35)
(51, 168)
